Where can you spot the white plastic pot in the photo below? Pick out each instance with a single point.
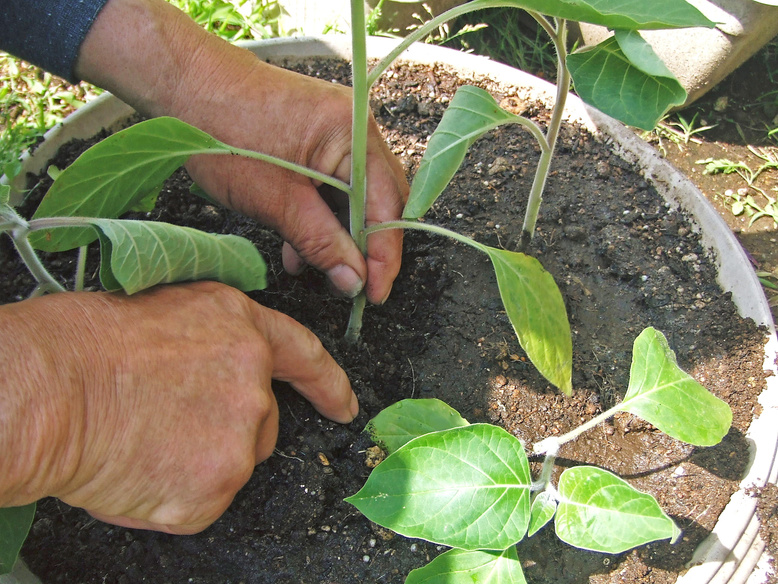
(733, 553)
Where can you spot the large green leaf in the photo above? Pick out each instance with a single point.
(670, 399)
(627, 14)
(623, 77)
(472, 113)
(125, 171)
(139, 254)
(601, 512)
(410, 418)
(466, 487)
(5, 194)
(466, 567)
(15, 523)
(537, 312)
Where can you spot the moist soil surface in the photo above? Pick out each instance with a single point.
(623, 260)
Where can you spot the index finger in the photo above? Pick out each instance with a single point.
(300, 359)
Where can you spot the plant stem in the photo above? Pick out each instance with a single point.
(358, 191)
(549, 444)
(19, 229)
(548, 467)
(427, 227)
(559, 37)
(80, 268)
(304, 170)
(32, 261)
(430, 26)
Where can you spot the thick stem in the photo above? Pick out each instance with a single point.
(559, 37)
(358, 194)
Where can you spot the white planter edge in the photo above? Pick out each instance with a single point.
(733, 553)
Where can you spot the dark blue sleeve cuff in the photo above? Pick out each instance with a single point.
(47, 33)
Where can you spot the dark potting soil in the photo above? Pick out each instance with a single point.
(623, 259)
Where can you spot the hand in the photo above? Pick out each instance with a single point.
(229, 93)
(307, 121)
(151, 411)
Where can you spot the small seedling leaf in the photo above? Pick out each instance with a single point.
(15, 523)
(410, 418)
(471, 567)
(472, 113)
(136, 255)
(123, 172)
(670, 399)
(601, 512)
(537, 312)
(629, 14)
(542, 511)
(467, 487)
(623, 77)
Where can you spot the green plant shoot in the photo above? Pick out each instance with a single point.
(468, 486)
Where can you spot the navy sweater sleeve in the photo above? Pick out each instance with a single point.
(47, 33)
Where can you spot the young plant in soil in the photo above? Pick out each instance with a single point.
(621, 76)
(469, 486)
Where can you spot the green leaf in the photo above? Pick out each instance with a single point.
(15, 524)
(5, 194)
(601, 512)
(136, 255)
(623, 77)
(466, 487)
(537, 312)
(670, 399)
(123, 172)
(541, 512)
(627, 14)
(476, 567)
(472, 113)
(410, 418)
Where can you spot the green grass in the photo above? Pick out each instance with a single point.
(33, 101)
(234, 20)
(511, 37)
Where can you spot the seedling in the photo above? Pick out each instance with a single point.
(469, 487)
(680, 132)
(742, 201)
(726, 166)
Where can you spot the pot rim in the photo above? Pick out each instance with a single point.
(733, 552)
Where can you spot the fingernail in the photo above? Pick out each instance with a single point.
(354, 406)
(345, 280)
(386, 297)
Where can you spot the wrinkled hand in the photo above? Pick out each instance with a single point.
(159, 61)
(307, 121)
(158, 406)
